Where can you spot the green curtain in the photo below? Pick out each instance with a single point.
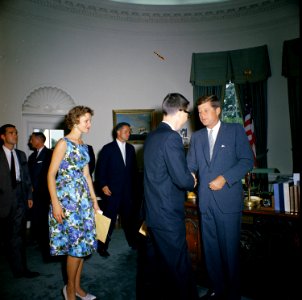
(238, 66)
(291, 70)
(254, 95)
(208, 77)
(250, 65)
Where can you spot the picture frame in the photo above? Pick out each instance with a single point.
(141, 121)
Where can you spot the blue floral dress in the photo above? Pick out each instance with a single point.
(76, 236)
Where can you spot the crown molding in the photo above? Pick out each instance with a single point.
(193, 13)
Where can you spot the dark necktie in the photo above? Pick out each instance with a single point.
(13, 170)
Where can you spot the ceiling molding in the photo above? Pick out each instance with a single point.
(163, 14)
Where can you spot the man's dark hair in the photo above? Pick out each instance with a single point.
(174, 102)
(40, 135)
(213, 99)
(3, 131)
(118, 127)
(3, 128)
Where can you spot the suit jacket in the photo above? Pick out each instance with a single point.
(112, 171)
(38, 168)
(7, 194)
(91, 163)
(232, 158)
(166, 179)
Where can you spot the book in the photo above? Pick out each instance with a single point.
(286, 195)
(296, 198)
(292, 199)
(278, 196)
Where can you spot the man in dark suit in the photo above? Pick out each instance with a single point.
(221, 155)
(15, 197)
(38, 163)
(166, 180)
(116, 175)
(91, 163)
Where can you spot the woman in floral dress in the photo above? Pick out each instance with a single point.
(73, 201)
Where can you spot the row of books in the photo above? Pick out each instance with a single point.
(287, 196)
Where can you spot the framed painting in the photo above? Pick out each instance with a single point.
(141, 121)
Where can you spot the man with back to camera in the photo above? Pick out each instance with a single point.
(221, 155)
(38, 164)
(166, 180)
(115, 179)
(15, 198)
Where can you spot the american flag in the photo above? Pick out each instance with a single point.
(249, 130)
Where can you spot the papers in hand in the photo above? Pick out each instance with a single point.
(102, 224)
(143, 229)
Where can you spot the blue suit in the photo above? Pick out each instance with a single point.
(121, 179)
(221, 210)
(166, 180)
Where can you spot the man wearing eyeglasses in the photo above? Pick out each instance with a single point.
(166, 180)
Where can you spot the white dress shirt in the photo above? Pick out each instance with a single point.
(8, 154)
(122, 146)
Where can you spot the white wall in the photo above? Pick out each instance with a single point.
(108, 64)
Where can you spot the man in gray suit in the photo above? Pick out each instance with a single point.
(15, 197)
(220, 155)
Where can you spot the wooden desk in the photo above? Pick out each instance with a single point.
(271, 253)
(193, 236)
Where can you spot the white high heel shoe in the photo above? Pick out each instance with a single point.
(87, 297)
(65, 292)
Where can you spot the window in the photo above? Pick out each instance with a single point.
(231, 112)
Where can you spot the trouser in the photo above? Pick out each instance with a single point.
(13, 229)
(164, 267)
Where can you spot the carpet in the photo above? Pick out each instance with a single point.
(110, 278)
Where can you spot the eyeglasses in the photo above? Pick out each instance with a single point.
(187, 112)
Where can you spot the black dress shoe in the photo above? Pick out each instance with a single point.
(103, 252)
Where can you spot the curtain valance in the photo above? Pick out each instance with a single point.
(291, 58)
(210, 69)
(239, 66)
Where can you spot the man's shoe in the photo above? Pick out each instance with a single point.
(104, 253)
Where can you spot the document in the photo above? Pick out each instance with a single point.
(143, 229)
(102, 224)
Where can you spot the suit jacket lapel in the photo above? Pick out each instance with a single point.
(206, 148)
(218, 141)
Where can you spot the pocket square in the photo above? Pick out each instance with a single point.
(222, 146)
(40, 161)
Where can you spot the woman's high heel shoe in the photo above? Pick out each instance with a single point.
(65, 292)
(87, 297)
